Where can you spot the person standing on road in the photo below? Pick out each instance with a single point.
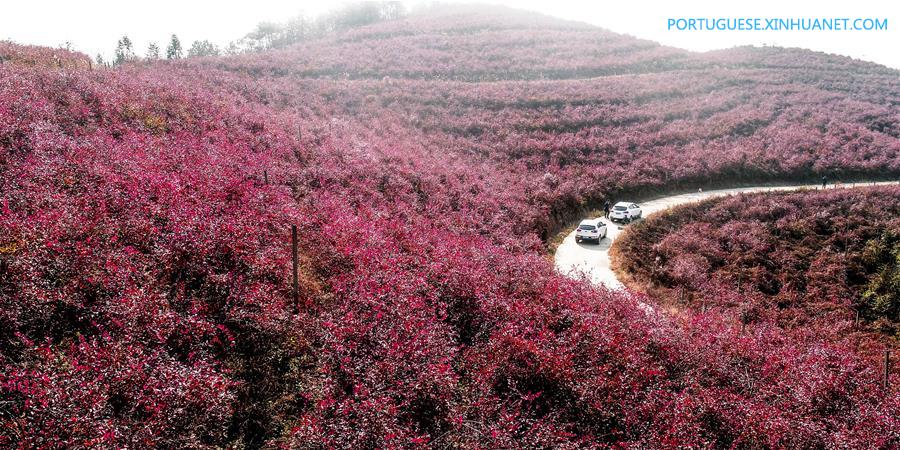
(606, 209)
(824, 181)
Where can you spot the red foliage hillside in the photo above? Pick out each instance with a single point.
(146, 267)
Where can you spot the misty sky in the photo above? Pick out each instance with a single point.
(94, 26)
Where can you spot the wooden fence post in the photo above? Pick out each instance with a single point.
(887, 369)
(294, 256)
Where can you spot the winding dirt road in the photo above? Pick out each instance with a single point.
(590, 260)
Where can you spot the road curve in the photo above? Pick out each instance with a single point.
(591, 261)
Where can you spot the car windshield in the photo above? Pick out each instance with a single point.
(588, 227)
(620, 208)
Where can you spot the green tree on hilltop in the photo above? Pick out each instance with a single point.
(173, 51)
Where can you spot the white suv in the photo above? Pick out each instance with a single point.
(625, 211)
(590, 230)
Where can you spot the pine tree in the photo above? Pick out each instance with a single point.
(203, 48)
(173, 51)
(124, 51)
(152, 52)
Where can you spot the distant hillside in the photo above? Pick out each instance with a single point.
(484, 43)
(28, 55)
(601, 112)
(474, 45)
